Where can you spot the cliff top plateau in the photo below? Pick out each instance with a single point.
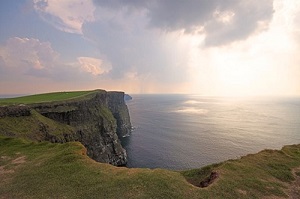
(49, 97)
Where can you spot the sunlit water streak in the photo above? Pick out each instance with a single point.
(186, 131)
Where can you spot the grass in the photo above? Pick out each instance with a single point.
(64, 171)
(47, 97)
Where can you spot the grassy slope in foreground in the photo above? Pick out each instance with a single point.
(46, 170)
(46, 97)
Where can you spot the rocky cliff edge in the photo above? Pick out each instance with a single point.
(95, 120)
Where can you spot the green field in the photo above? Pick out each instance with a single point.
(47, 97)
(46, 170)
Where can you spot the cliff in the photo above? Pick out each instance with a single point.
(120, 111)
(95, 120)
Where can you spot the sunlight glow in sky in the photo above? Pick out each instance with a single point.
(220, 48)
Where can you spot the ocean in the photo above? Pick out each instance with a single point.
(189, 131)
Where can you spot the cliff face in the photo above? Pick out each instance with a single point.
(14, 111)
(120, 111)
(95, 122)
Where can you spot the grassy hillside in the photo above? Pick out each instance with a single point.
(47, 97)
(46, 170)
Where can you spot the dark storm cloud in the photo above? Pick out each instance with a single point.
(190, 15)
(249, 17)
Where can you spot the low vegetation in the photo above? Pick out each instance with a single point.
(46, 170)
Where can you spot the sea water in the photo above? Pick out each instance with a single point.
(189, 131)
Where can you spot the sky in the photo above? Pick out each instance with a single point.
(205, 47)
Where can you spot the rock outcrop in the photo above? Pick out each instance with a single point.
(127, 97)
(96, 121)
(14, 111)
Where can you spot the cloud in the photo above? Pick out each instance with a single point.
(144, 37)
(134, 50)
(238, 22)
(93, 65)
(67, 15)
(22, 58)
(28, 56)
(139, 53)
(153, 41)
(204, 46)
(222, 21)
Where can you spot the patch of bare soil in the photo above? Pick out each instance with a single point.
(206, 182)
(4, 157)
(243, 192)
(209, 180)
(5, 196)
(274, 197)
(294, 189)
(4, 176)
(5, 171)
(19, 160)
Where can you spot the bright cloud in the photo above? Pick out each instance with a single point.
(67, 15)
(267, 63)
(21, 57)
(93, 65)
